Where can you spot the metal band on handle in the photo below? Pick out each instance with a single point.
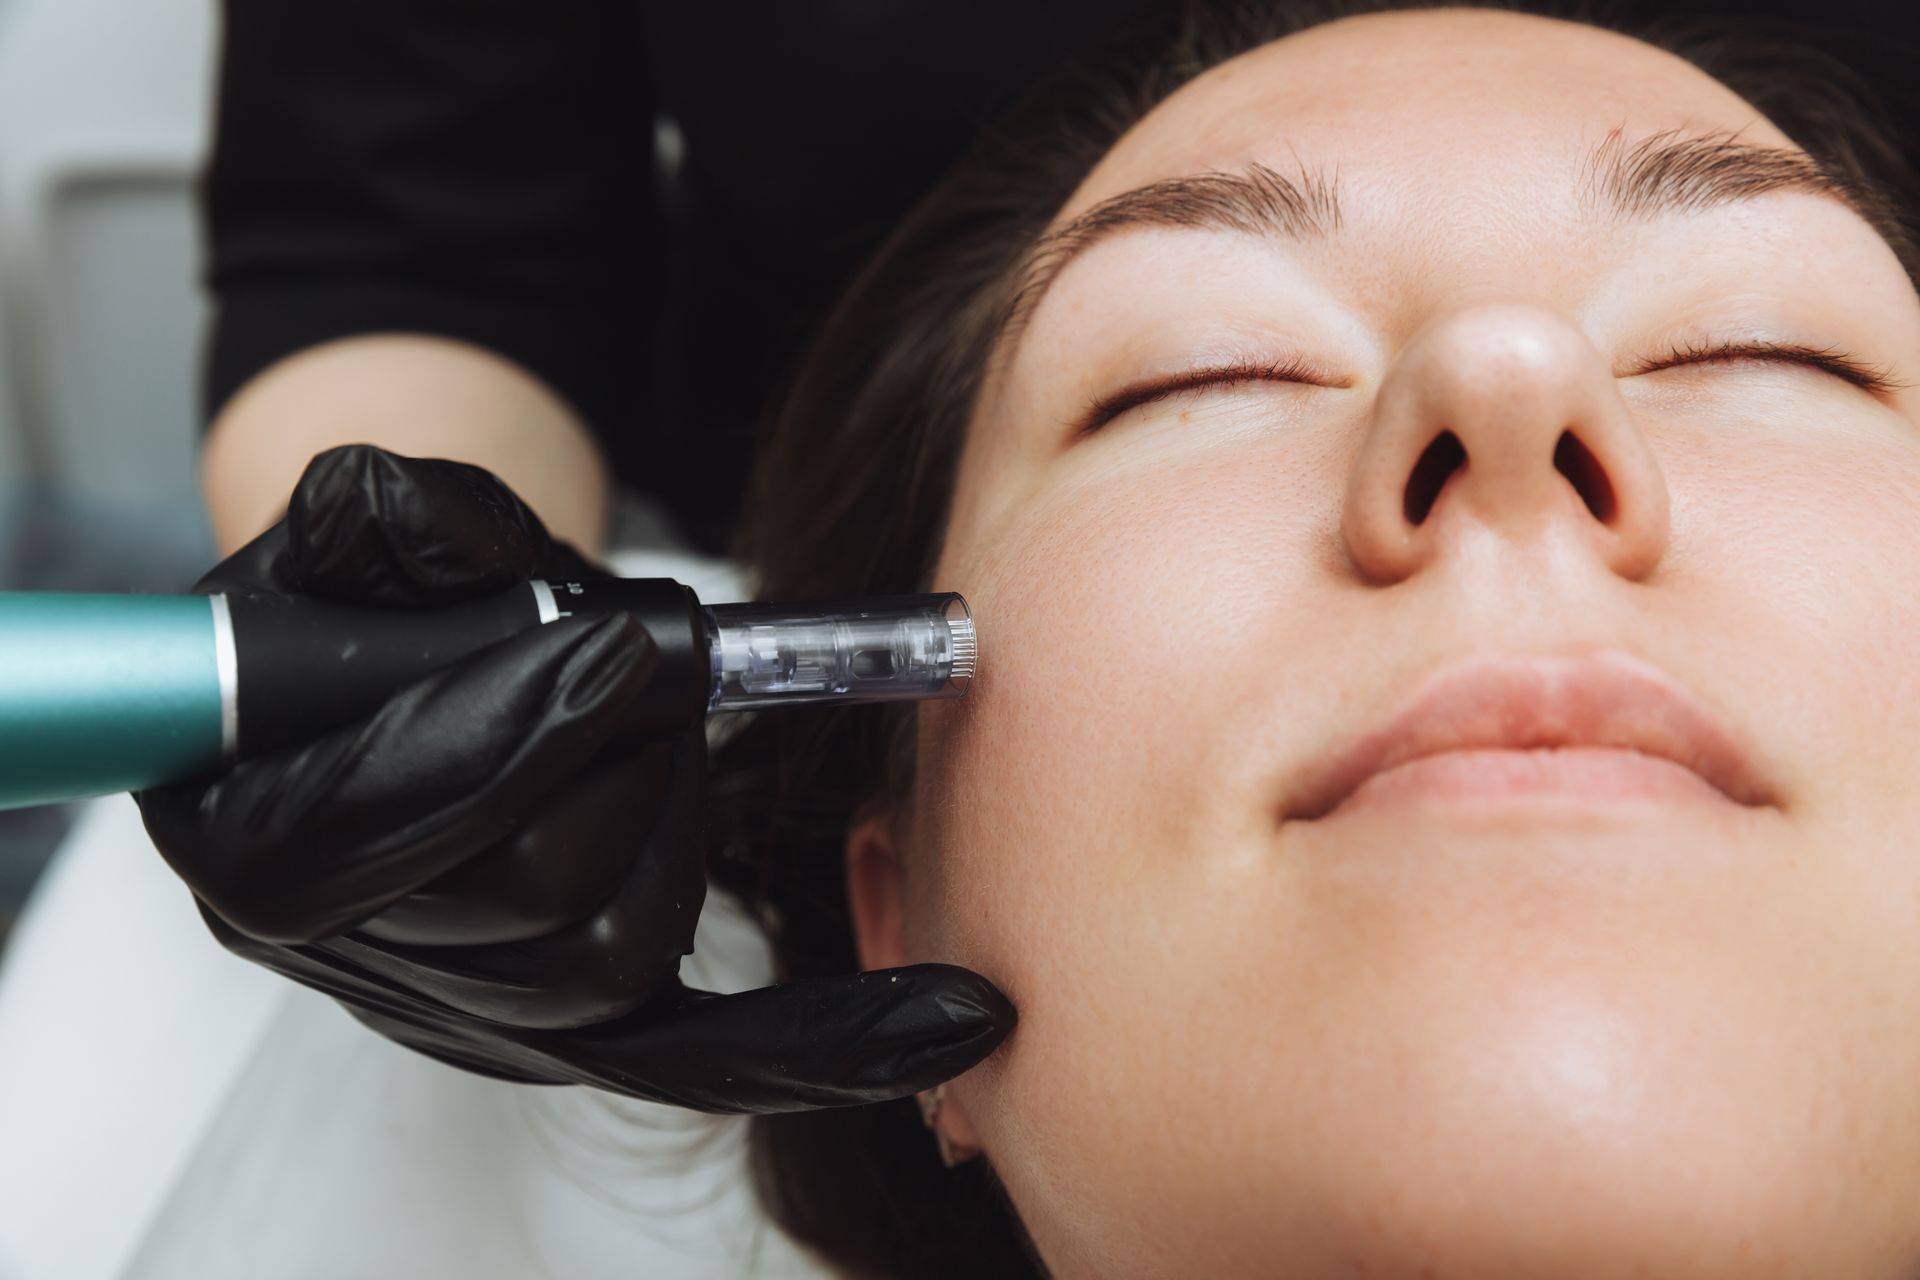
(226, 665)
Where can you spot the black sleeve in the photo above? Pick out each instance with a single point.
(474, 168)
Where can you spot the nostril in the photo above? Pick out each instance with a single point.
(1577, 463)
(1430, 474)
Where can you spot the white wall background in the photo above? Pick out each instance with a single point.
(105, 108)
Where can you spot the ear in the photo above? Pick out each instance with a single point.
(876, 892)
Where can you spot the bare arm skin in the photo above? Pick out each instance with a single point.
(413, 394)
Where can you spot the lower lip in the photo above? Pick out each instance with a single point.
(1586, 777)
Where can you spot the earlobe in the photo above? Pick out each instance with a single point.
(876, 889)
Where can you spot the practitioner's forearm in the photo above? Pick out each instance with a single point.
(413, 394)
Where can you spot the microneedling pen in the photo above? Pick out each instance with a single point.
(106, 693)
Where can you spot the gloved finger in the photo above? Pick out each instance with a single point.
(366, 526)
(559, 868)
(307, 843)
(599, 969)
(817, 1042)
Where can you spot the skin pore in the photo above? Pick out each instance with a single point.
(1664, 1039)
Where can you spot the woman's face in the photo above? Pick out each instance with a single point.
(1448, 1037)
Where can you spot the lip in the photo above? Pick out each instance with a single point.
(1608, 699)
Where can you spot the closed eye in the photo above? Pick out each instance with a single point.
(1830, 359)
(1104, 409)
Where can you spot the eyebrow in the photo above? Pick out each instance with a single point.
(1669, 172)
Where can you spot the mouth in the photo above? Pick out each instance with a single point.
(1603, 725)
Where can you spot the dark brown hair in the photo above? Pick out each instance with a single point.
(850, 493)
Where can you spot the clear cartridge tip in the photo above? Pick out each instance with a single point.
(878, 649)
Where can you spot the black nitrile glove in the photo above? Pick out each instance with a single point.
(501, 868)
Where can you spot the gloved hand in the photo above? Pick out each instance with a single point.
(500, 868)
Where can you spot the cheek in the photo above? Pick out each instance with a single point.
(1122, 621)
(1794, 584)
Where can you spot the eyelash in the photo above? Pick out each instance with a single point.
(1104, 409)
(1830, 359)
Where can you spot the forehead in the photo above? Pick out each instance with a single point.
(1435, 110)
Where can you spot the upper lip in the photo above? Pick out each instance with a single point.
(1608, 699)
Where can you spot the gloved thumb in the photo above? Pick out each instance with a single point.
(366, 526)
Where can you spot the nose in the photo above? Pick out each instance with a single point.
(1502, 418)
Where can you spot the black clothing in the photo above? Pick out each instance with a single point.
(485, 169)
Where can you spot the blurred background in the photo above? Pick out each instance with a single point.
(105, 111)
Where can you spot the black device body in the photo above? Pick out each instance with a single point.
(305, 665)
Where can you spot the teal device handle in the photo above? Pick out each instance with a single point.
(107, 693)
(104, 693)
